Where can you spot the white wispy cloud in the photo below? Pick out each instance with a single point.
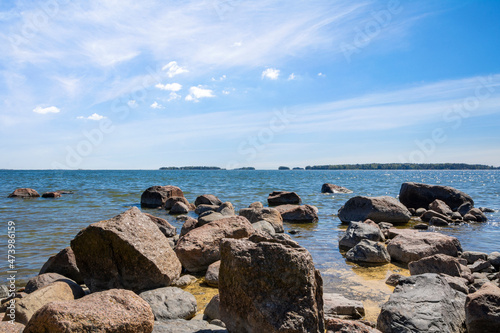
(173, 96)
(93, 116)
(169, 86)
(321, 74)
(271, 73)
(156, 105)
(195, 93)
(173, 69)
(132, 103)
(50, 109)
(291, 77)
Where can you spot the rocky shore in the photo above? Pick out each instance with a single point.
(133, 272)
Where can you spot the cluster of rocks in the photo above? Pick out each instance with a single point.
(26, 193)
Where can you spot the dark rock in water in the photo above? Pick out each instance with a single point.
(43, 280)
(170, 303)
(179, 208)
(478, 214)
(186, 326)
(378, 209)
(494, 259)
(127, 251)
(440, 207)
(200, 247)
(166, 228)
(428, 215)
(456, 216)
(421, 226)
(486, 210)
(368, 251)
(412, 246)
(336, 325)
(212, 310)
(112, 311)
(212, 275)
(473, 256)
(298, 214)
(465, 207)
(24, 193)
(188, 225)
(482, 310)
(416, 195)
(331, 188)
(277, 198)
(293, 232)
(51, 195)
(438, 222)
(338, 305)
(200, 209)
(63, 263)
(470, 218)
(440, 263)
(357, 231)
(423, 303)
(173, 200)
(393, 279)
(157, 196)
(269, 285)
(270, 215)
(207, 199)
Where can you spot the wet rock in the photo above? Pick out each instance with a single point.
(269, 285)
(264, 226)
(298, 214)
(358, 231)
(407, 247)
(428, 215)
(200, 247)
(56, 291)
(200, 209)
(416, 195)
(438, 222)
(331, 188)
(470, 218)
(277, 198)
(8, 327)
(51, 195)
(186, 326)
(440, 263)
(207, 199)
(378, 209)
(179, 208)
(423, 303)
(24, 193)
(170, 303)
(63, 263)
(212, 310)
(482, 310)
(440, 207)
(226, 209)
(338, 305)
(421, 226)
(127, 251)
(368, 251)
(212, 275)
(166, 228)
(473, 256)
(184, 281)
(393, 279)
(465, 207)
(46, 279)
(173, 200)
(157, 196)
(111, 311)
(256, 204)
(270, 215)
(478, 214)
(486, 210)
(188, 225)
(336, 325)
(481, 265)
(456, 216)
(494, 259)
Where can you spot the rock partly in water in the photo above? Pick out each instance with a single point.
(111, 311)
(331, 188)
(184, 281)
(368, 251)
(24, 193)
(482, 310)
(440, 207)
(269, 285)
(277, 198)
(173, 200)
(412, 246)
(473, 256)
(212, 275)
(127, 251)
(270, 215)
(417, 195)
(438, 222)
(157, 196)
(200, 247)
(200, 209)
(337, 305)
(478, 214)
(393, 279)
(63, 263)
(170, 303)
(464, 208)
(51, 195)
(377, 209)
(494, 259)
(423, 303)
(440, 263)
(357, 231)
(207, 199)
(298, 214)
(179, 208)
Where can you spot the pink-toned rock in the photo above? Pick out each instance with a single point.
(112, 311)
(200, 247)
(257, 214)
(24, 193)
(207, 199)
(413, 246)
(127, 251)
(63, 263)
(189, 224)
(212, 275)
(42, 280)
(157, 196)
(482, 310)
(298, 214)
(8, 327)
(166, 228)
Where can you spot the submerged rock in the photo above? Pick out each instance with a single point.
(24, 193)
(378, 209)
(51, 195)
(269, 285)
(63, 263)
(277, 198)
(417, 195)
(298, 214)
(331, 188)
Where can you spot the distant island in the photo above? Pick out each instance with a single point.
(283, 168)
(245, 168)
(404, 166)
(191, 168)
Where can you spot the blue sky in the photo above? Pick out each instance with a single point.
(233, 83)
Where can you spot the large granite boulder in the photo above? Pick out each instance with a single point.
(269, 285)
(482, 310)
(200, 247)
(157, 196)
(417, 195)
(331, 188)
(377, 209)
(111, 311)
(170, 303)
(42, 280)
(63, 263)
(277, 198)
(24, 193)
(207, 199)
(440, 263)
(298, 214)
(357, 231)
(127, 251)
(368, 251)
(423, 303)
(270, 215)
(412, 246)
(166, 228)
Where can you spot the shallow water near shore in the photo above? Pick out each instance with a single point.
(45, 226)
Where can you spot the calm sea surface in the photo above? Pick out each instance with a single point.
(45, 226)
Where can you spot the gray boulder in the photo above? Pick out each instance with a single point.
(173, 200)
(226, 209)
(464, 208)
(212, 311)
(208, 217)
(170, 303)
(494, 259)
(298, 214)
(417, 195)
(357, 231)
(331, 188)
(179, 208)
(46, 279)
(368, 251)
(202, 208)
(473, 256)
(378, 209)
(166, 228)
(264, 226)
